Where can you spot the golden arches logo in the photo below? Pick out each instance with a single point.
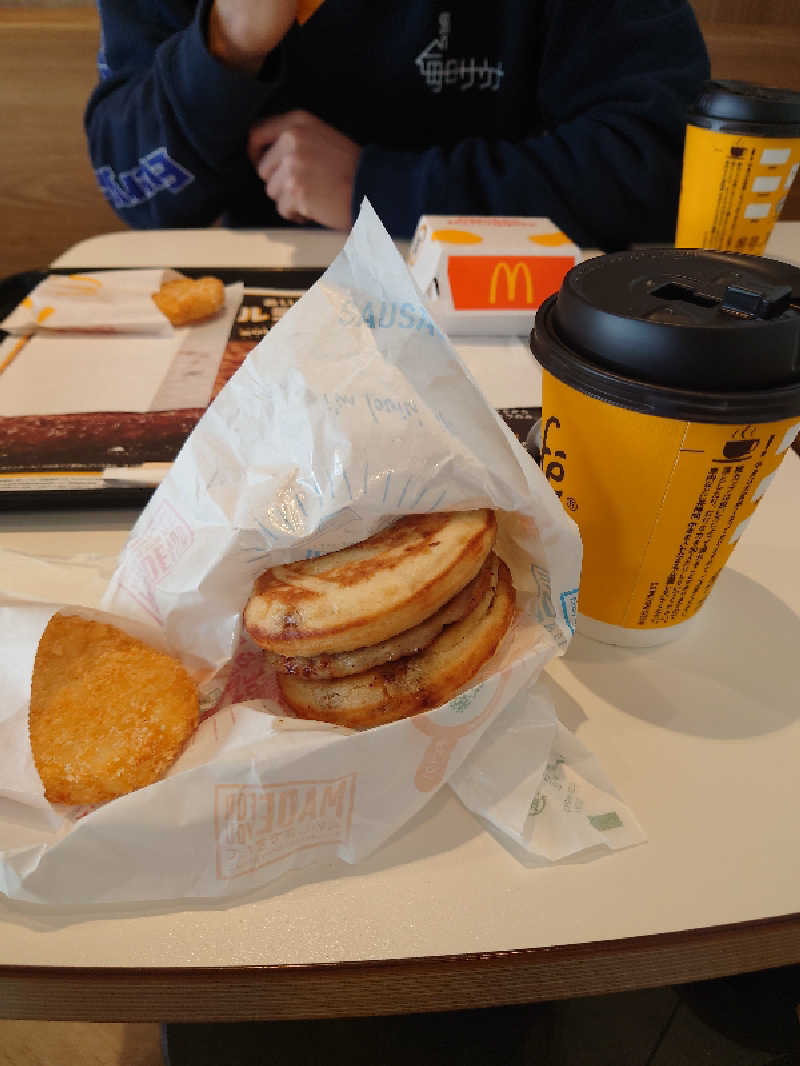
(85, 281)
(511, 274)
(504, 282)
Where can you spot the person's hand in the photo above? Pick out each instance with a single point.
(308, 167)
(242, 32)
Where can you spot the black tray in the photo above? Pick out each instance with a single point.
(72, 444)
(78, 443)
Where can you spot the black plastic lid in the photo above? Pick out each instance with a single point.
(678, 332)
(740, 106)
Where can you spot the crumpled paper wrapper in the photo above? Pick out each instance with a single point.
(105, 301)
(352, 411)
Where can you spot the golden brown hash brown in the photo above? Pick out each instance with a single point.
(109, 714)
(186, 300)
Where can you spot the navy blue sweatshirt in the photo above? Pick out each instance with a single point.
(571, 109)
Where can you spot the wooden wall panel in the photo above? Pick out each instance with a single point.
(49, 199)
(749, 12)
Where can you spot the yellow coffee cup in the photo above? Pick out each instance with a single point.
(670, 395)
(741, 155)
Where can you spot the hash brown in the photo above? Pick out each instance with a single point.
(108, 713)
(186, 300)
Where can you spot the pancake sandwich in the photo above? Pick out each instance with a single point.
(108, 713)
(389, 627)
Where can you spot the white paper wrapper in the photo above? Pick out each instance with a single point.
(540, 788)
(97, 342)
(112, 300)
(353, 410)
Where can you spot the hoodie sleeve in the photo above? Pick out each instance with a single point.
(604, 162)
(167, 123)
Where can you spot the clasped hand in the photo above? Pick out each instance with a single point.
(308, 167)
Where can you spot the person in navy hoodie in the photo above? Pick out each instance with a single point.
(259, 114)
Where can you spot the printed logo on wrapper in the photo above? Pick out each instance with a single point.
(152, 554)
(243, 678)
(260, 824)
(432, 769)
(545, 611)
(569, 607)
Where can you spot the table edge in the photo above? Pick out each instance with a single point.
(395, 986)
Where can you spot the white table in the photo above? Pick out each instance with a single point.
(269, 248)
(701, 737)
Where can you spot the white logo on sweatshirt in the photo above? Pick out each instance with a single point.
(438, 70)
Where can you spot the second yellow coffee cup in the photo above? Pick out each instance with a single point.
(741, 155)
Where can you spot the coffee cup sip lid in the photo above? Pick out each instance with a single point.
(692, 322)
(741, 106)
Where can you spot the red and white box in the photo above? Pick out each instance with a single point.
(488, 274)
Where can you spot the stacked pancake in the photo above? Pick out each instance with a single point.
(388, 627)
